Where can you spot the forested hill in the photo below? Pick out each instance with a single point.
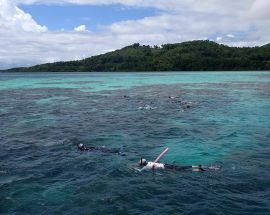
(187, 56)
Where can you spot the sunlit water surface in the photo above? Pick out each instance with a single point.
(44, 116)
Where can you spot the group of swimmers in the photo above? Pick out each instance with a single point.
(183, 105)
(145, 165)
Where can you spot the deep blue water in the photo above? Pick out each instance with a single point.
(44, 116)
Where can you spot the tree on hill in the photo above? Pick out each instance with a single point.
(186, 56)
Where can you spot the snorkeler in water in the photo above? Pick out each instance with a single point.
(82, 147)
(156, 165)
(151, 165)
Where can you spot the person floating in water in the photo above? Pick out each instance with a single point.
(155, 165)
(82, 147)
(152, 165)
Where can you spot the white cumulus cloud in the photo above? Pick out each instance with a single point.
(80, 28)
(13, 18)
(230, 35)
(218, 39)
(24, 42)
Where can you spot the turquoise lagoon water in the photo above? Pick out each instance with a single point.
(45, 115)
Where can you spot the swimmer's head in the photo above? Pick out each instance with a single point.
(143, 162)
(80, 146)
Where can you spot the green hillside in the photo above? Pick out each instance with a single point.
(187, 56)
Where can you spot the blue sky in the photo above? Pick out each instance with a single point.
(69, 16)
(31, 30)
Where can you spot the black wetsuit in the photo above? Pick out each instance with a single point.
(182, 168)
(100, 149)
(178, 168)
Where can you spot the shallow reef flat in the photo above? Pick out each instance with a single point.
(210, 118)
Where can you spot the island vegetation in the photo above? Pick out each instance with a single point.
(186, 56)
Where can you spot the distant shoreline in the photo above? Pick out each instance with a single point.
(194, 56)
(31, 72)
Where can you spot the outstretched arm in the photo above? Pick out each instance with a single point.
(159, 158)
(161, 155)
(140, 170)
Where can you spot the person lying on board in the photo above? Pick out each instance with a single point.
(82, 147)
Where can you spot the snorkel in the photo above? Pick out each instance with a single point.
(143, 162)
